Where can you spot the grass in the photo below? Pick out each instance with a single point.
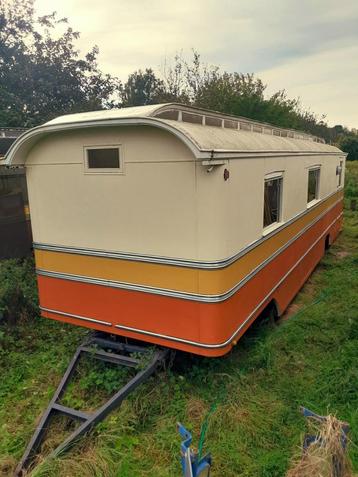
(255, 428)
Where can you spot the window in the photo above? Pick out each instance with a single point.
(272, 201)
(230, 124)
(339, 173)
(313, 184)
(192, 118)
(212, 121)
(102, 159)
(169, 114)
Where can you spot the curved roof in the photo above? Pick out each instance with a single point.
(208, 134)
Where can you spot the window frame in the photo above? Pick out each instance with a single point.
(340, 173)
(318, 185)
(104, 170)
(270, 177)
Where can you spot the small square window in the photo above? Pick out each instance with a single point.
(313, 185)
(103, 159)
(272, 201)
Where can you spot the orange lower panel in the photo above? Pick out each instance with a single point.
(207, 329)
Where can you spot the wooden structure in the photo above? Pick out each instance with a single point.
(15, 228)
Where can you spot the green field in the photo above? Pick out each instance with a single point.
(254, 429)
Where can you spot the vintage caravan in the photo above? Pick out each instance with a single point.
(175, 225)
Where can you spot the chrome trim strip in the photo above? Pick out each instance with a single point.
(196, 343)
(177, 294)
(47, 128)
(122, 285)
(155, 259)
(78, 317)
(249, 318)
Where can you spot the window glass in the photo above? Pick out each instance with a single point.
(106, 158)
(313, 184)
(340, 170)
(192, 118)
(272, 201)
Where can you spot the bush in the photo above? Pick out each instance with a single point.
(349, 144)
(351, 182)
(18, 291)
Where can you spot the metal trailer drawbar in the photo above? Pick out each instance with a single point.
(108, 349)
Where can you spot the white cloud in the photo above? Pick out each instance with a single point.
(326, 82)
(305, 46)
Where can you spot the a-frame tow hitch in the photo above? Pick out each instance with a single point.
(104, 348)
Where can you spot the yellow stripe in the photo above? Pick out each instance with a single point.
(190, 280)
(143, 273)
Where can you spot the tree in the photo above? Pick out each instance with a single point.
(41, 75)
(239, 94)
(232, 93)
(141, 88)
(349, 144)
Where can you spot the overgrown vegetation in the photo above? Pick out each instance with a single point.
(351, 181)
(348, 142)
(326, 455)
(255, 429)
(18, 292)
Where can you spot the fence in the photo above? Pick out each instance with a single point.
(15, 227)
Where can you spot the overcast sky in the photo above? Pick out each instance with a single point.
(308, 47)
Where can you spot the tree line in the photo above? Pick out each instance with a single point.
(43, 75)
